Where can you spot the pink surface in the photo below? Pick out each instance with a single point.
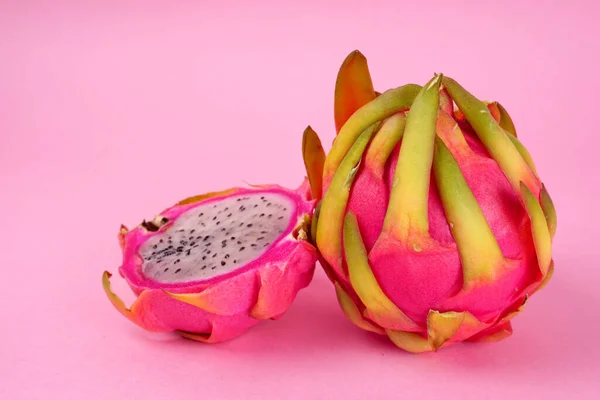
(111, 113)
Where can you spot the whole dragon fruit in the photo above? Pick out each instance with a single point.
(214, 265)
(433, 225)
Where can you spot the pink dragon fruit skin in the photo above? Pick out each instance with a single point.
(212, 289)
(433, 225)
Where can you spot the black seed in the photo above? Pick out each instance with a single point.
(204, 257)
(192, 244)
(249, 225)
(241, 223)
(180, 248)
(256, 205)
(222, 229)
(215, 217)
(239, 242)
(177, 270)
(226, 208)
(224, 241)
(214, 255)
(188, 252)
(262, 197)
(232, 238)
(206, 238)
(285, 209)
(160, 241)
(263, 232)
(218, 222)
(238, 199)
(223, 263)
(262, 215)
(159, 261)
(150, 226)
(226, 255)
(253, 245)
(214, 268)
(242, 248)
(268, 204)
(228, 215)
(192, 231)
(203, 224)
(201, 214)
(235, 261)
(260, 238)
(223, 245)
(279, 217)
(155, 246)
(208, 252)
(203, 267)
(183, 242)
(166, 269)
(270, 215)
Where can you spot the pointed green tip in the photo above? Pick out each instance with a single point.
(549, 210)
(384, 142)
(355, 53)
(407, 210)
(117, 302)
(492, 135)
(524, 153)
(409, 341)
(335, 200)
(506, 121)
(314, 159)
(480, 254)
(353, 88)
(379, 307)
(389, 103)
(352, 312)
(315, 223)
(539, 229)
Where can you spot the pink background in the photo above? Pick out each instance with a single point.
(109, 113)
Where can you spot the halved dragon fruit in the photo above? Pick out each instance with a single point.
(214, 265)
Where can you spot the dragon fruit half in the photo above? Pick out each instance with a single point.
(214, 265)
(433, 225)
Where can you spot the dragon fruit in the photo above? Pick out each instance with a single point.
(214, 265)
(433, 225)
